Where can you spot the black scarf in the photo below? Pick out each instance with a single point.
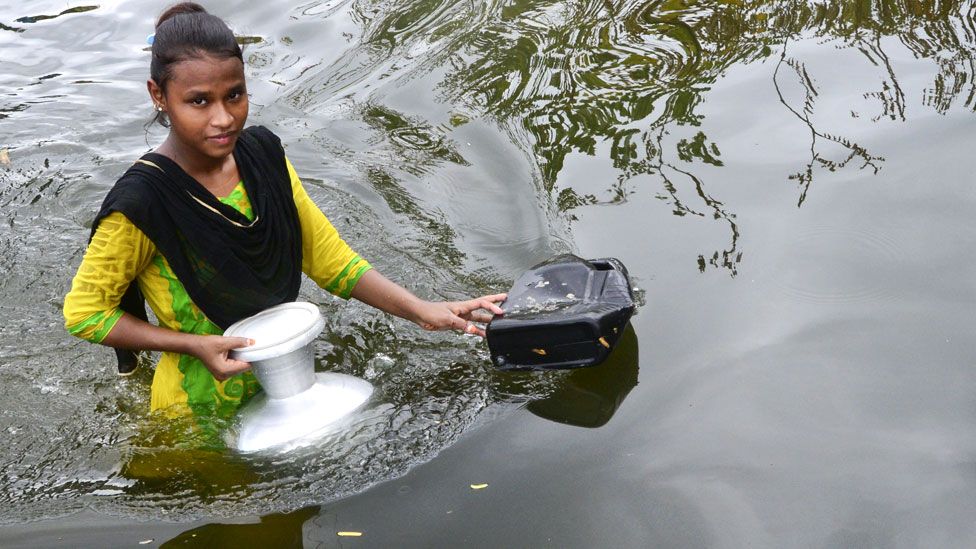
(231, 267)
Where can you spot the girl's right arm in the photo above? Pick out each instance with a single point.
(117, 253)
(134, 333)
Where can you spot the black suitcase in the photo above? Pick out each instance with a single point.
(564, 313)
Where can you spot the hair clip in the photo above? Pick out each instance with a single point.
(150, 39)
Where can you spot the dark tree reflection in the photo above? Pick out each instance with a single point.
(805, 177)
(589, 76)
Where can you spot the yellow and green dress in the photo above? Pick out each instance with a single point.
(119, 253)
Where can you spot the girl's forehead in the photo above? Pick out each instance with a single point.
(207, 70)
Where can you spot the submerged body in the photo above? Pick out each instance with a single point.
(213, 227)
(119, 252)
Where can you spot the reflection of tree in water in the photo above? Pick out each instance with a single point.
(578, 76)
(805, 176)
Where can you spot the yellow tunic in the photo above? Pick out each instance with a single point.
(120, 253)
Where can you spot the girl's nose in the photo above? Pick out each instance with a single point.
(222, 117)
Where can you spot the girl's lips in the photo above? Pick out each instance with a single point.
(222, 139)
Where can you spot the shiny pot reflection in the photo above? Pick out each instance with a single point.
(296, 403)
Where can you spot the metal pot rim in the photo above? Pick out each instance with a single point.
(272, 337)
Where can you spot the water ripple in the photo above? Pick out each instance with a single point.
(865, 263)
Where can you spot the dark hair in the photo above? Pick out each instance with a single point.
(186, 31)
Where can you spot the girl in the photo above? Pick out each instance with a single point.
(214, 226)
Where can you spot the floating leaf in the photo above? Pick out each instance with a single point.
(604, 343)
(146, 541)
(479, 486)
(4, 157)
(349, 534)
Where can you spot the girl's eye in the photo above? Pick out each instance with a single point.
(235, 95)
(198, 101)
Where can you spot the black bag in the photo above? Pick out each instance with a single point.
(564, 313)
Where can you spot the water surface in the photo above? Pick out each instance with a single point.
(789, 184)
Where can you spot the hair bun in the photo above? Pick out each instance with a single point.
(177, 9)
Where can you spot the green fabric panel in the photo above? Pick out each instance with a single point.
(103, 321)
(203, 394)
(107, 326)
(354, 279)
(239, 200)
(334, 286)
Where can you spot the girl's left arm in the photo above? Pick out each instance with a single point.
(376, 290)
(334, 266)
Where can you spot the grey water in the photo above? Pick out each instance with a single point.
(790, 185)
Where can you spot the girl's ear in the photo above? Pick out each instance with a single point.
(156, 94)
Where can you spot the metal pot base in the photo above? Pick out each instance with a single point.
(269, 422)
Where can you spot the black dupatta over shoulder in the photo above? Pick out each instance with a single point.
(230, 266)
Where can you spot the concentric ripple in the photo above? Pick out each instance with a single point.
(831, 265)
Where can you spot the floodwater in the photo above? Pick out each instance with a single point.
(789, 183)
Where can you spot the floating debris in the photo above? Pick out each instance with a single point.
(349, 534)
(541, 352)
(479, 486)
(603, 342)
(37, 18)
(244, 40)
(4, 157)
(146, 541)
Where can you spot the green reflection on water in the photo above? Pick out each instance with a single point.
(275, 530)
(575, 75)
(37, 18)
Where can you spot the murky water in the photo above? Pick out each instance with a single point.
(789, 183)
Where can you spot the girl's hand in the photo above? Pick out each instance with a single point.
(460, 315)
(134, 333)
(214, 352)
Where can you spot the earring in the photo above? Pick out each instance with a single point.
(159, 108)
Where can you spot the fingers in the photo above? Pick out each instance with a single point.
(228, 368)
(214, 352)
(488, 303)
(236, 342)
(456, 322)
(461, 315)
(238, 365)
(478, 316)
(489, 306)
(480, 310)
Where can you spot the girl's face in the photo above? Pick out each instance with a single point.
(206, 102)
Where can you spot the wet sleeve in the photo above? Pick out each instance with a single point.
(116, 255)
(326, 258)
